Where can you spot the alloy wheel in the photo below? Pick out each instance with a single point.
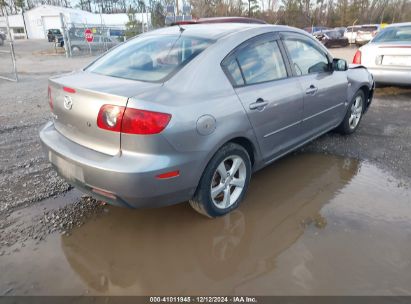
(228, 182)
(356, 112)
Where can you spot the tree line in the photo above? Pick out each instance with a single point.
(305, 13)
(299, 13)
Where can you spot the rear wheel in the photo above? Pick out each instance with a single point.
(354, 114)
(224, 182)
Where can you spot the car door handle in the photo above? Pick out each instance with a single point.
(260, 104)
(311, 90)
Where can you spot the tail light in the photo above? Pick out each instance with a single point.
(109, 117)
(131, 121)
(357, 57)
(50, 98)
(144, 122)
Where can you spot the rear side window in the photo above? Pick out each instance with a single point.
(151, 58)
(257, 63)
(305, 56)
(234, 71)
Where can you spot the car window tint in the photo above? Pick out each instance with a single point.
(234, 70)
(261, 62)
(306, 58)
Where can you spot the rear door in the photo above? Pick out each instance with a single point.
(325, 91)
(77, 99)
(272, 100)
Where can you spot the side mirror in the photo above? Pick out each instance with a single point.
(340, 65)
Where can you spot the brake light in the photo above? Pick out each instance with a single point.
(131, 121)
(110, 117)
(50, 99)
(357, 57)
(144, 122)
(69, 90)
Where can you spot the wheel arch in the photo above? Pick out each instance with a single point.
(245, 142)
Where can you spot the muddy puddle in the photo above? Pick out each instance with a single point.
(310, 224)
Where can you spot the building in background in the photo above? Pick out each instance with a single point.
(42, 18)
(16, 25)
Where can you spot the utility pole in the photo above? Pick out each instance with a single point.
(177, 6)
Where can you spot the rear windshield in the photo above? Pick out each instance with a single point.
(151, 58)
(368, 28)
(392, 34)
(333, 34)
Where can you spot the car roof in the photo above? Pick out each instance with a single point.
(399, 24)
(214, 31)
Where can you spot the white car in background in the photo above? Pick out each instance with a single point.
(351, 33)
(365, 33)
(388, 55)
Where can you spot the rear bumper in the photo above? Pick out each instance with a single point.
(127, 179)
(399, 77)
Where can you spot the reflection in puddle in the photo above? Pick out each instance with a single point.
(310, 224)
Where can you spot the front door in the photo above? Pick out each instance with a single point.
(325, 90)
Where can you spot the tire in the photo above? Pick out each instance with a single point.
(354, 114)
(228, 191)
(1, 41)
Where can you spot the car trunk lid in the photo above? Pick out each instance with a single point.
(77, 99)
(396, 55)
(386, 55)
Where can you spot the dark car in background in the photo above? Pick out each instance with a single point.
(341, 30)
(53, 34)
(314, 29)
(331, 38)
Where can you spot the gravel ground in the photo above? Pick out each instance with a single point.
(384, 138)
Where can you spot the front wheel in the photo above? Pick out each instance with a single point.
(224, 182)
(354, 114)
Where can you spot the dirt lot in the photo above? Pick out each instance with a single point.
(350, 199)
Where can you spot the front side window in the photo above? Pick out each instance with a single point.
(306, 57)
(257, 63)
(151, 58)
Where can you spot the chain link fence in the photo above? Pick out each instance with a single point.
(89, 39)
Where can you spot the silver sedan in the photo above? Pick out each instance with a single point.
(388, 55)
(190, 112)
